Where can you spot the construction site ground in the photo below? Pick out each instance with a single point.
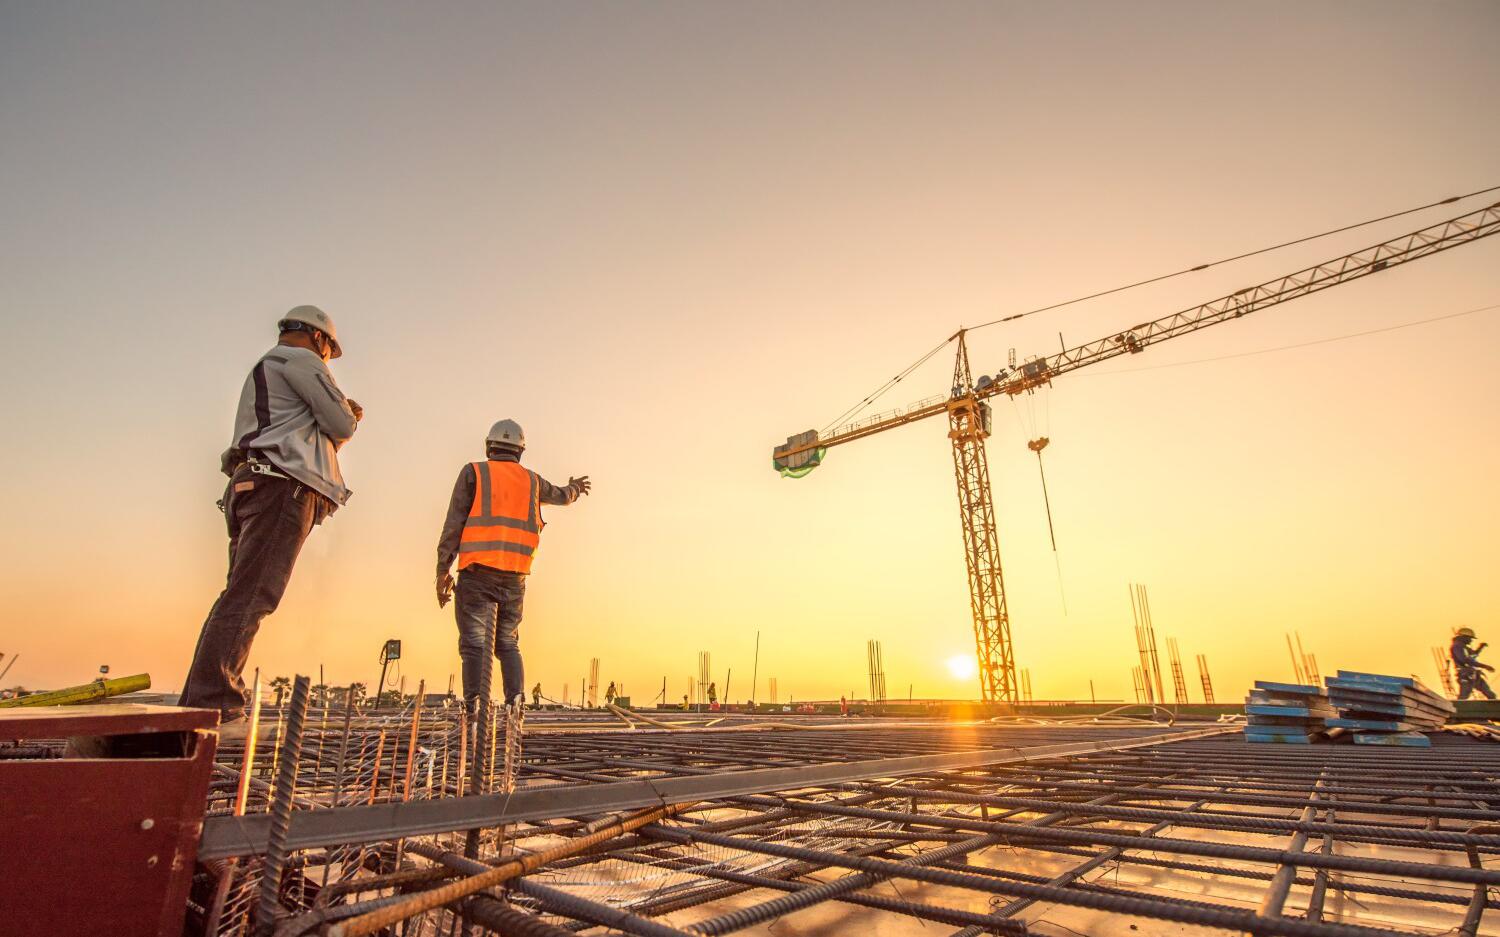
(826, 824)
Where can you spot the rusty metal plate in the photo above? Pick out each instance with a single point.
(102, 845)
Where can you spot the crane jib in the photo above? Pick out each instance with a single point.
(1456, 231)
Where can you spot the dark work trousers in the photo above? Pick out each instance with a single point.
(487, 605)
(268, 519)
(1471, 679)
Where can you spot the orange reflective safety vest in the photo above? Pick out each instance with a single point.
(505, 521)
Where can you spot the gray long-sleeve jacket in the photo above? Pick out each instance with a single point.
(463, 500)
(294, 416)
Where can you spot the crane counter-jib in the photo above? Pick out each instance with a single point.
(803, 447)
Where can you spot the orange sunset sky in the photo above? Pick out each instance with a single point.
(664, 236)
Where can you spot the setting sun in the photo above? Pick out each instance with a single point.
(963, 666)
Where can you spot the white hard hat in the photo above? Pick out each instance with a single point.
(315, 318)
(506, 433)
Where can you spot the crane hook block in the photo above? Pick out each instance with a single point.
(800, 455)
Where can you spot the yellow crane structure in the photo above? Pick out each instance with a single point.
(969, 421)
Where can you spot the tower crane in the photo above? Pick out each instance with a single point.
(969, 421)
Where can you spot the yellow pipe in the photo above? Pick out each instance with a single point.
(85, 693)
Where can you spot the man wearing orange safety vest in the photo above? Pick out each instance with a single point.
(493, 526)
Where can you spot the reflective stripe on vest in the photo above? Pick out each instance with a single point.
(505, 520)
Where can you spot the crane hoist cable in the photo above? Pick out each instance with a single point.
(1035, 419)
(1037, 445)
(880, 391)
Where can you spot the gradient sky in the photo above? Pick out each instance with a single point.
(664, 237)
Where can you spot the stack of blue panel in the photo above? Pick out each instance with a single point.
(1385, 710)
(1290, 713)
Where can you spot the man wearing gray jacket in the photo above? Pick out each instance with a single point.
(284, 479)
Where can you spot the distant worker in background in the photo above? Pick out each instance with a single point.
(684, 702)
(1466, 662)
(713, 694)
(493, 526)
(536, 696)
(284, 479)
(609, 694)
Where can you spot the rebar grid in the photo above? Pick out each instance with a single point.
(1323, 840)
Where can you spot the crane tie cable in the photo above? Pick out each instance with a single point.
(1264, 250)
(883, 388)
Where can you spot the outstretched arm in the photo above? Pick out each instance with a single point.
(549, 493)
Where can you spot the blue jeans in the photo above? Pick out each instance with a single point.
(487, 605)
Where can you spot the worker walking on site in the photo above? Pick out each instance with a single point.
(609, 694)
(493, 527)
(1466, 662)
(536, 696)
(284, 480)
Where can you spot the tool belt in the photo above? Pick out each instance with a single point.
(265, 468)
(235, 459)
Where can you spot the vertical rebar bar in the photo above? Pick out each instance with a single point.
(252, 733)
(281, 812)
(411, 745)
(338, 775)
(375, 767)
(1161, 693)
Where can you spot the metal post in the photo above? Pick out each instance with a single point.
(754, 673)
